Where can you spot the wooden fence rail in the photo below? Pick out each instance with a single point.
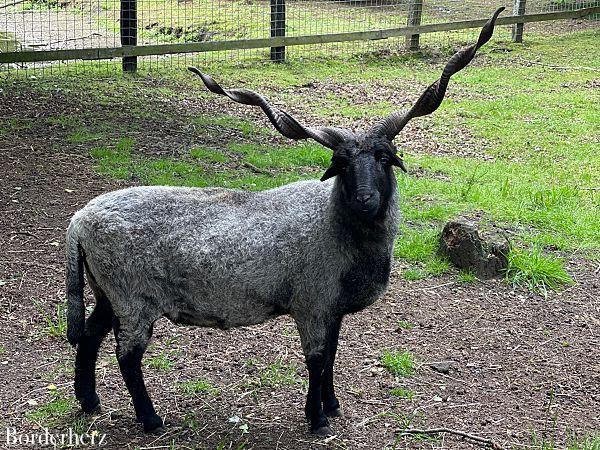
(277, 42)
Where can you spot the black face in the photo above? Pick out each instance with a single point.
(364, 170)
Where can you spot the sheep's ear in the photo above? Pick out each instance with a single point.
(331, 172)
(397, 161)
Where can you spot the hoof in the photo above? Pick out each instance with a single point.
(152, 424)
(336, 412)
(91, 405)
(158, 430)
(323, 431)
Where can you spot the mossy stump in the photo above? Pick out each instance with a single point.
(483, 254)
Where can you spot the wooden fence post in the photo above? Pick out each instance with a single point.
(517, 28)
(277, 28)
(415, 9)
(129, 32)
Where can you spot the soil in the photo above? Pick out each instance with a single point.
(521, 365)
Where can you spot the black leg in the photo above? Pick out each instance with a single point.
(319, 424)
(129, 354)
(331, 405)
(97, 327)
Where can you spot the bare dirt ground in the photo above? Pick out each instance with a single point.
(56, 29)
(521, 364)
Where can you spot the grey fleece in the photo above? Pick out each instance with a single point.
(223, 258)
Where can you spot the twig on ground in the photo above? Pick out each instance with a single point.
(472, 437)
(15, 3)
(256, 169)
(24, 233)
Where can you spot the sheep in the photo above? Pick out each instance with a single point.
(223, 258)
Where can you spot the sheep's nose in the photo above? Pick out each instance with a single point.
(364, 198)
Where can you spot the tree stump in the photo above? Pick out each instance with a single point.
(485, 256)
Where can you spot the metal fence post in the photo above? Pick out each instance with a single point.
(415, 9)
(129, 32)
(277, 28)
(517, 28)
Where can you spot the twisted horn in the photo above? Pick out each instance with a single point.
(431, 99)
(283, 122)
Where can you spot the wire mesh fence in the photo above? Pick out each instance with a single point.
(48, 25)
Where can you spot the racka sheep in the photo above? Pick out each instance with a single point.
(226, 258)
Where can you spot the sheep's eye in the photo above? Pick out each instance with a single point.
(383, 158)
(341, 163)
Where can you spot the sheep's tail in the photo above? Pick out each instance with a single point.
(75, 283)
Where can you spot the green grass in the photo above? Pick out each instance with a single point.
(305, 154)
(83, 135)
(162, 362)
(121, 162)
(14, 125)
(402, 393)
(400, 364)
(198, 386)
(535, 270)
(418, 245)
(213, 156)
(278, 374)
(574, 442)
(55, 325)
(53, 413)
(404, 325)
(227, 122)
(466, 277)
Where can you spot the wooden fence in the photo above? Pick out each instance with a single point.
(278, 41)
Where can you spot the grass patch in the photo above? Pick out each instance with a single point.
(83, 135)
(246, 127)
(53, 413)
(404, 325)
(56, 324)
(402, 393)
(199, 386)
(162, 362)
(586, 442)
(213, 156)
(121, 163)
(306, 154)
(466, 277)
(12, 125)
(413, 274)
(400, 364)
(418, 245)
(278, 374)
(536, 270)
